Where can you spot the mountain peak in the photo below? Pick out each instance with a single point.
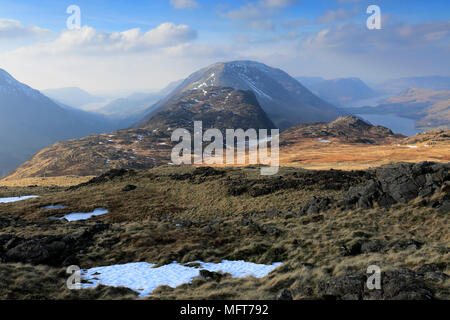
(10, 86)
(350, 121)
(216, 107)
(283, 98)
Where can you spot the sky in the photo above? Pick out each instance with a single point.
(135, 46)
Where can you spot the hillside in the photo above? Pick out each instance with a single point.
(395, 86)
(324, 227)
(217, 107)
(150, 145)
(430, 109)
(342, 91)
(30, 121)
(284, 99)
(72, 96)
(347, 143)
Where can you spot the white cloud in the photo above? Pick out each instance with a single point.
(13, 29)
(184, 4)
(89, 40)
(397, 49)
(257, 14)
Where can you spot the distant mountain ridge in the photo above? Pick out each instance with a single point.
(342, 91)
(283, 98)
(72, 96)
(395, 86)
(30, 121)
(430, 109)
(149, 145)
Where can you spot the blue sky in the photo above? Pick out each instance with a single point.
(325, 38)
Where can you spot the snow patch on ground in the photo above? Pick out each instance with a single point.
(76, 216)
(57, 206)
(143, 278)
(15, 199)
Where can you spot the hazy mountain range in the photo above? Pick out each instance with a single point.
(430, 109)
(395, 86)
(342, 91)
(243, 93)
(72, 96)
(30, 121)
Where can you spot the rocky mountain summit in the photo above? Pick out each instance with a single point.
(217, 107)
(283, 98)
(347, 129)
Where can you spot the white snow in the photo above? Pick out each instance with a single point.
(76, 216)
(57, 206)
(15, 199)
(324, 141)
(412, 147)
(143, 278)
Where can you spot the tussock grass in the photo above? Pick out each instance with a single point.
(176, 215)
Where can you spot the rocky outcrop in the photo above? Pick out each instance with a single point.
(53, 250)
(399, 284)
(401, 184)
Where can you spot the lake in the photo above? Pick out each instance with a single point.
(397, 124)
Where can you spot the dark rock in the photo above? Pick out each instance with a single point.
(436, 276)
(50, 249)
(399, 184)
(129, 187)
(208, 229)
(316, 205)
(404, 284)
(285, 295)
(207, 172)
(343, 286)
(371, 246)
(352, 249)
(400, 284)
(209, 275)
(28, 252)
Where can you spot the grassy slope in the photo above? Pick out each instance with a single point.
(217, 225)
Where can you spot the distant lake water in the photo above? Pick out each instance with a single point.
(401, 125)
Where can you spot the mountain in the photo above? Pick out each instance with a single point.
(130, 110)
(342, 91)
(395, 86)
(348, 129)
(430, 109)
(309, 81)
(30, 121)
(148, 145)
(72, 96)
(283, 98)
(217, 107)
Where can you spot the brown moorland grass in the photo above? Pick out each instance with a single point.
(177, 215)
